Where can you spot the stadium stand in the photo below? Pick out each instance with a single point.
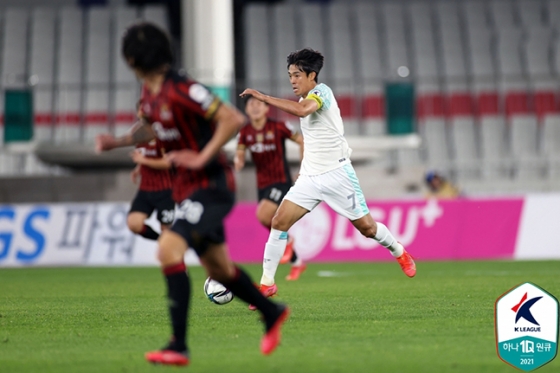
(485, 75)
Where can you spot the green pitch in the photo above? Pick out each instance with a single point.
(345, 318)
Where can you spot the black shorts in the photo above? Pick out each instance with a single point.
(200, 218)
(274, 192)
(161, 201)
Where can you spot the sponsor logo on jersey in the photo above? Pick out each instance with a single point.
(166, 134)
(165, 113)
(260, 137)
(269, 135)
(261, 148)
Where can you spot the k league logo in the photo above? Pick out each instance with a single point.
(526, 320)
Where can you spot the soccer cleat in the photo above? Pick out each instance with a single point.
(295, 272)
(288, 252)
(272, 337)
(407, 264)
(167, 357)
(267, 291)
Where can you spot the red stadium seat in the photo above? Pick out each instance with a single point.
(517, 102)
(373, 106)
(346, 105)
(545, 103)
(431, 105)
(487, 104)
(460, 104)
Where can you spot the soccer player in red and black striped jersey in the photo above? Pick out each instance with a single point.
(265, 139)
(154, 192)
(192, 125)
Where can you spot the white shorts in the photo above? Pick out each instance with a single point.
(339, 188)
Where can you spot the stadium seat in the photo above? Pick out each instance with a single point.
(343, 84)
(464, 145)
(552, 11)
(430, 105)
(312, 35)
(42, 71)
(537, 53)
(423, 42)
(157, 14)
(434, 136)
(395, 39)
(69, 78)
(493, 134)
(475, 13)
(481, 53)
(283, 43)
(546, 103)
(126, 91)
(368, 54)
(509, 52)
(97, 73)
(516, 102)
(551, 145)
(257, 55)
(530, 12)
(487, 103)
(524, 142)
(502, 13)
(454, 67)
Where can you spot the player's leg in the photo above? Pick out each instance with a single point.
(165, 207)
(140, 209)
(379, 232)
(344, 195)
(301, 198)
(171, 251)
(219, 266)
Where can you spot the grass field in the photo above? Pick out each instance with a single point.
(345, 318)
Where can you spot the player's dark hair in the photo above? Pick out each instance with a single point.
(146, 47)
(307, 60)
(249, 97)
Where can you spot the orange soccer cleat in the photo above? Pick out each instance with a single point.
(288, 252)
(167, 357)
(271, 339)
(295, 272)
(267, 291)
(407, 264)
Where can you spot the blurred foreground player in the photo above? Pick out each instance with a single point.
(265, 139)
(192, 125)
(326, 171)
(154, 191)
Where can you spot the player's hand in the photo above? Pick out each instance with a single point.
(186, 158)
(137, 156)
(104, 142)
(252, 92)
(238, 163)
(134, 175)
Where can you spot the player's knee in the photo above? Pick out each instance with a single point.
(135, 225)
(280, 223)
(367, 230)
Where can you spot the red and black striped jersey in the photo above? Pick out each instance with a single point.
(153, 180)
(268, 151)
(181, 115)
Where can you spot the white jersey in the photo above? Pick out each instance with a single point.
(325, 147)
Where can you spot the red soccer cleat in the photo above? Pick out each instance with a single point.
(271, 339)
(407, 264)
(288, 252)
(167, 357)
(267, 291)
(295, 272)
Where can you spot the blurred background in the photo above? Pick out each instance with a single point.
(468, 88)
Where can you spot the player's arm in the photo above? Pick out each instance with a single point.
(239, 158)
(140, 132)
(300, 109)
(298, 139)
(156, 163)
(228, 122)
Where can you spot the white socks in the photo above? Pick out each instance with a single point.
(386, 239)
(273, 251)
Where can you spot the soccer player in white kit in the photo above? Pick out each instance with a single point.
(326, 171)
